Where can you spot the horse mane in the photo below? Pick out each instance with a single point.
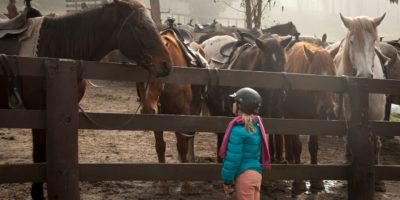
(298, 61)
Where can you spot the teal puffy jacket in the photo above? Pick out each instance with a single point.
(243, 153)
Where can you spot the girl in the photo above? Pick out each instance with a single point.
(245, 142)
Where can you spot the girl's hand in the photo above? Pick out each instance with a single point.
(228, 189)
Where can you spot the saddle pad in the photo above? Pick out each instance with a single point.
(228, 48)
(30, 38)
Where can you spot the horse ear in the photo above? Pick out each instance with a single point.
(346, 20)
(308, 52)
(285, 41)
(259, 44)
(324, 38)
(378, 20)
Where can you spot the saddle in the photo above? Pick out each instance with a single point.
(243, 38)
(14, 26)
(184, 38)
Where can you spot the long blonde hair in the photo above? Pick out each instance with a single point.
(248, 123)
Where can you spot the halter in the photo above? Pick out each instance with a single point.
(145, 58)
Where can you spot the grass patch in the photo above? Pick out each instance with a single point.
(395, 117)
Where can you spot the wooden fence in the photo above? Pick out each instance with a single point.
(62, 172)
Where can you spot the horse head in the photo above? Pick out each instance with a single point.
(360, 43)
(137, 36)
(270, 54)
(320, 62)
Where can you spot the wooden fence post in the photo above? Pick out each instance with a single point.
(62, 130)
(361, 170)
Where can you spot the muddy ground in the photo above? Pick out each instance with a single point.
(138, 147)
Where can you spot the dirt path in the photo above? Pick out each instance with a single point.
(138, 147)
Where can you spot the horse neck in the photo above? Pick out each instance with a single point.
(246, 59)
(81, 36)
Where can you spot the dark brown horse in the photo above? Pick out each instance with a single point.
(178, 99)
(282, 29)
(307, 58)
(90, 35)
(266, 54)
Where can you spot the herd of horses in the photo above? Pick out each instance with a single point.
(124, 25)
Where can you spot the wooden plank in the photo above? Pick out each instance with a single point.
(22, 173)
(22, 118)
(388, 172)
(110, 121)
(93, 70)
(382, 128)
(126, 72)
(35, 119)
(198, 172)
(62, 130)
(381, 86)
(361, 183)
(204, 124)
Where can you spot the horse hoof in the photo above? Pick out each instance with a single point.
(298, 187)
(317, 185)
(285, 162)
(188, 189)
(162, 188)
(380, 186)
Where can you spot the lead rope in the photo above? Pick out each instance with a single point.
(93, 121)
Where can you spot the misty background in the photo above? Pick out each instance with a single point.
(312, 17)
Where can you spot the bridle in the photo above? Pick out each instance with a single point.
(145, 58)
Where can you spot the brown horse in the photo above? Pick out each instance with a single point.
(266, 54)
(178, 99)
(307, 58)
(91, 34)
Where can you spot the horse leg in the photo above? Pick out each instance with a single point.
(289, 149)
(315, 185)
(298, 186)
(279, 148)
(182, 143)
(190, 154)
(271, 143)
(163, 187)
(379, 184)
(220, 138)
(39, 156)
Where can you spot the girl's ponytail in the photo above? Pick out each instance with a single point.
(248, 123)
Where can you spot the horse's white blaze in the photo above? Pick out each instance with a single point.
(274, 57)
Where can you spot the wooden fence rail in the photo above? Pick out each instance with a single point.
(62, 171)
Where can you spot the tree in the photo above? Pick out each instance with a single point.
(254, 11)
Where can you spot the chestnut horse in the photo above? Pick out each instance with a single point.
(177, 99)
(357, 57)
(307, 58)
(91, 34)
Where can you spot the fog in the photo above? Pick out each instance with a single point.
(312, 17)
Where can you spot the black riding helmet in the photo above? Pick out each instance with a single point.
(249, 100)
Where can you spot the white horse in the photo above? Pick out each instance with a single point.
(357, 58)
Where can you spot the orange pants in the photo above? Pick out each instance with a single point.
(248, 185)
